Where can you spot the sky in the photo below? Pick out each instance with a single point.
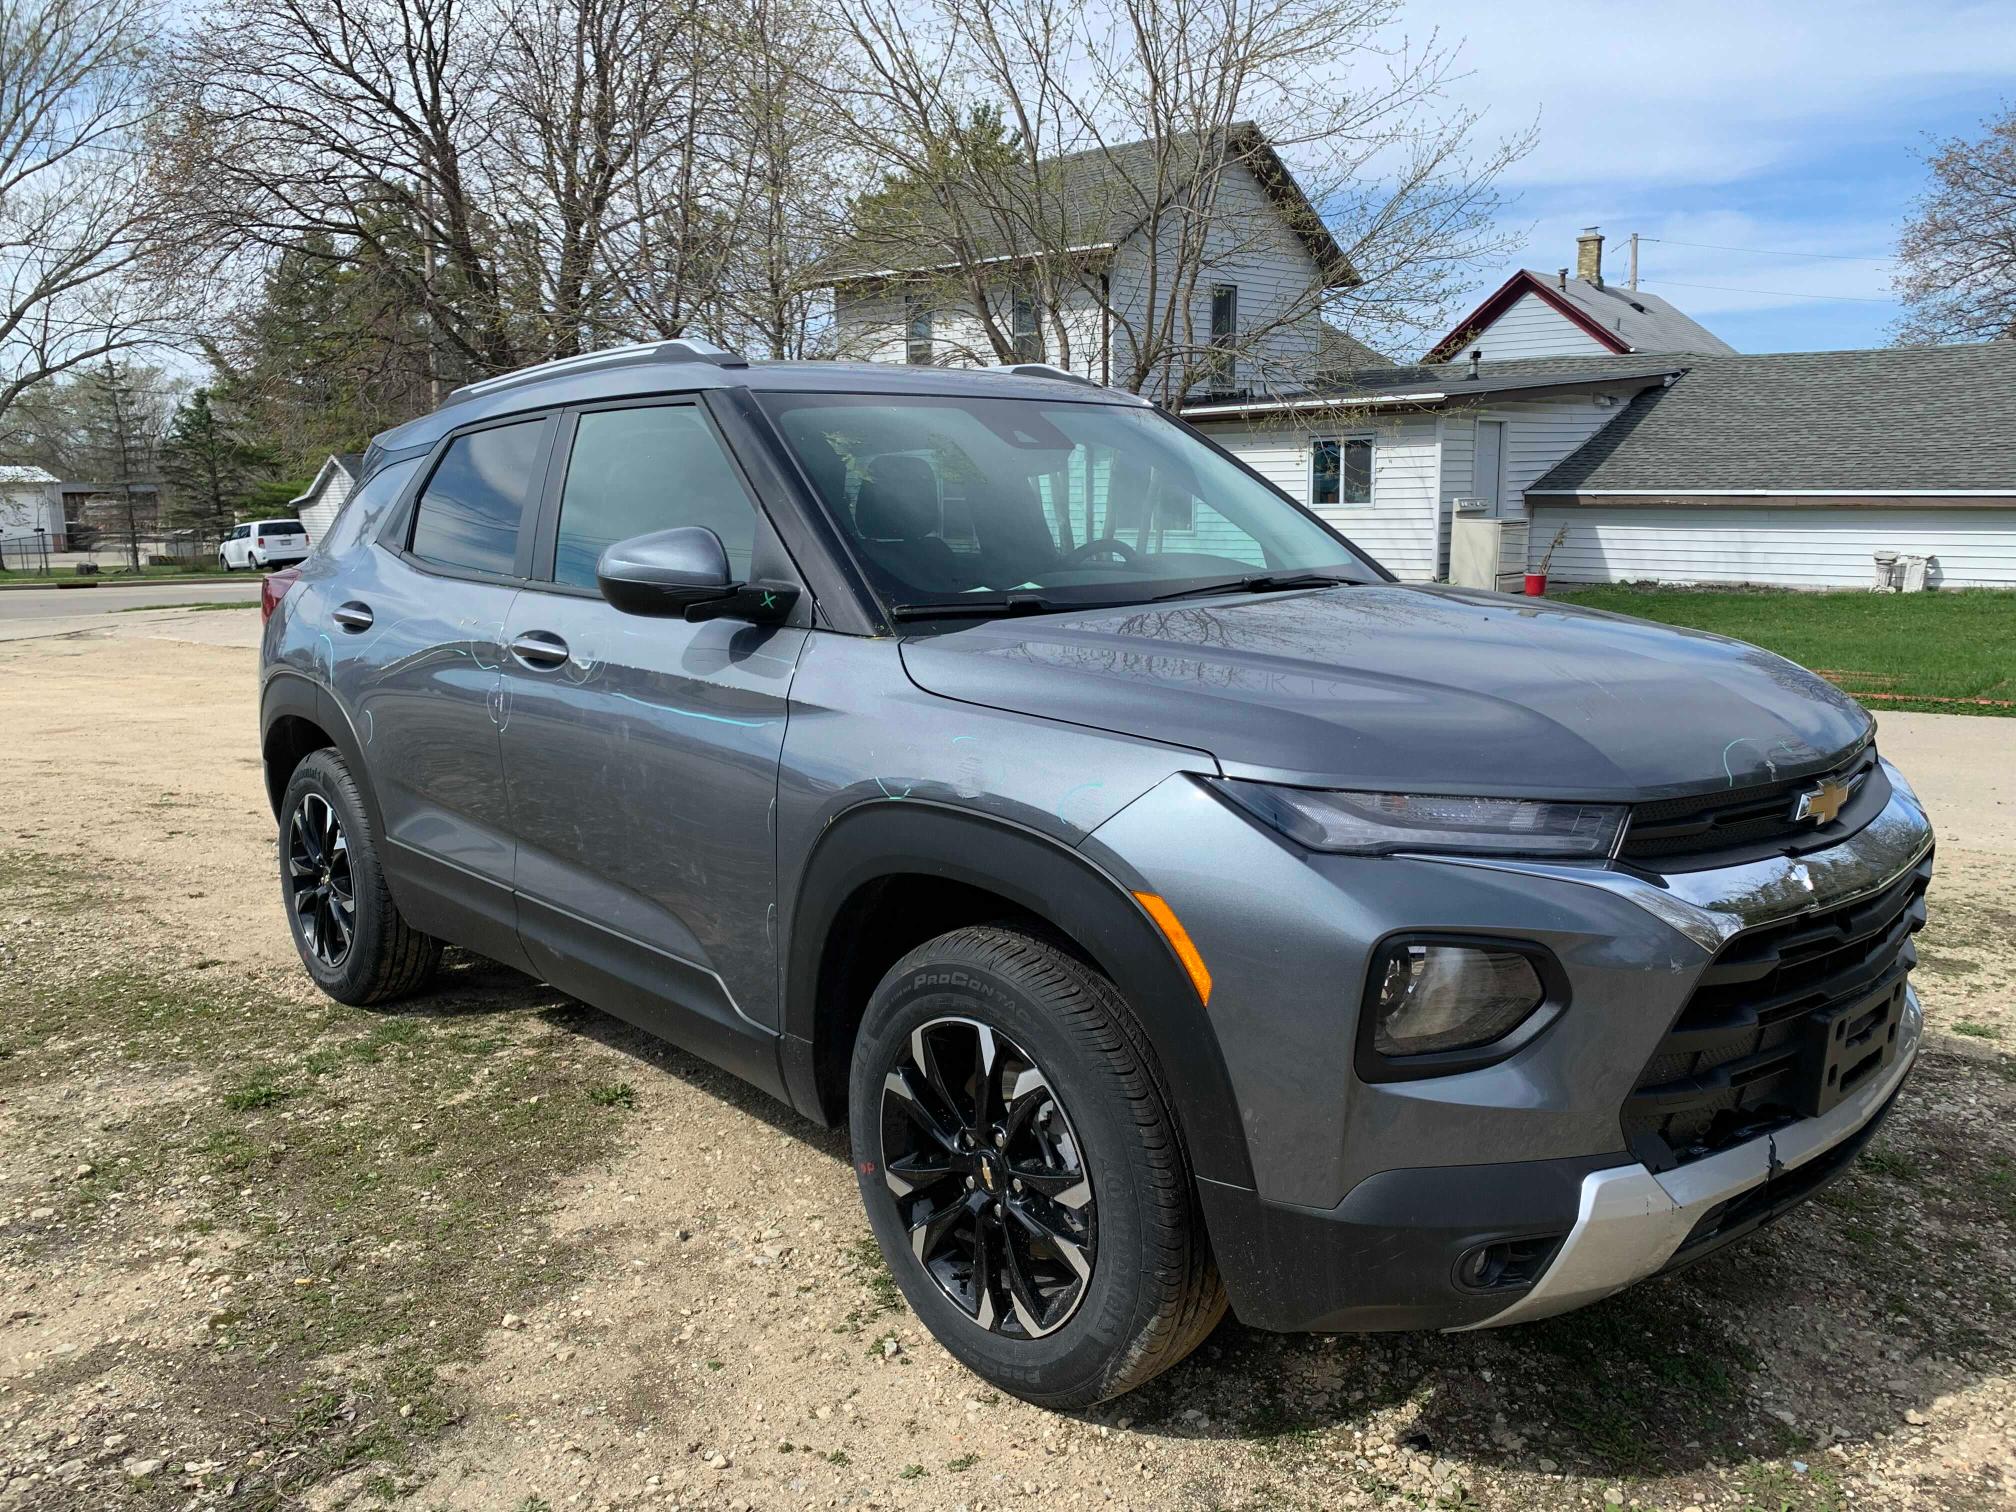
(1769, 126)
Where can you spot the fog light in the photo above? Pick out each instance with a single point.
(1509, 1262)
(1438, 997)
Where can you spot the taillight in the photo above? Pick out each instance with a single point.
(259, 541)
(273, 588)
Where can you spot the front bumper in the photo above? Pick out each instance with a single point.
(1630, 1223)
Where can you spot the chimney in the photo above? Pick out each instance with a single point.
(1589, 256)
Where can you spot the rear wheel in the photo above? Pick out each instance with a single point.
(347, 929)
(1022, 1172)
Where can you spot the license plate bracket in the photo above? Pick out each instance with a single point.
(1848, 1044)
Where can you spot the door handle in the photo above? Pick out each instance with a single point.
(539, 648)
(353, 616)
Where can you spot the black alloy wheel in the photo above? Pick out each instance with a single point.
(989, 1178)
(319, 881)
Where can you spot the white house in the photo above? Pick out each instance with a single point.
(316, 506)
(1606, 417)
(1254, 291)
(29, 504)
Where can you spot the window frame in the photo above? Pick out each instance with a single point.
(546, 540)
(396, 535)
(917, 310)
(1342, 439)
(1026, 345)
(1228, 338)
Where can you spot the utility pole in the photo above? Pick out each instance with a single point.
(1634, 262)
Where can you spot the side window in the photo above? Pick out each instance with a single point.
(649, 468)
(365, 507)
(1340, 472)
(469, 512)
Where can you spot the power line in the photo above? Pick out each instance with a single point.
(1762, 251)
(1771, 293)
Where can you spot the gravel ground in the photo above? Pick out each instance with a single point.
(493, 1249)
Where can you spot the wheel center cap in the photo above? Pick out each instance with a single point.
(990, 1172)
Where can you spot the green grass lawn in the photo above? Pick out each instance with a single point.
(1950, 652)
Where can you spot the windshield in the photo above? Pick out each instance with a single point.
(956, 501)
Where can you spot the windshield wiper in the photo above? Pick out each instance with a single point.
(973, 608)
(1260, 582)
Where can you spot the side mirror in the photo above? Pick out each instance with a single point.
(683, 573)
(664, 572)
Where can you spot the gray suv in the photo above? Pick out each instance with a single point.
(1179, 912)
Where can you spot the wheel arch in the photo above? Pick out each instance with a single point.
(921, 864)
(296, 716)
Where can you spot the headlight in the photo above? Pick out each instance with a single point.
(1376, 823)
(1429, 996)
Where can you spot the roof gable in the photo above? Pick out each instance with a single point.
(1622, 320)
(1104, 196)
(346, 463)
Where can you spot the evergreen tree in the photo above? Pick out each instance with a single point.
(121, 433)
(206, 468)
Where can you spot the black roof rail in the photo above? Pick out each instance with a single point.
(687, 349)
(1040, 370)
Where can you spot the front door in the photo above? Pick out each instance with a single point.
(1491, 465)
(641, 753)
(416, 647)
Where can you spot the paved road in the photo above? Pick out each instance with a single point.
(71, 603)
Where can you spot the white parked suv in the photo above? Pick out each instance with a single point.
(263, 544)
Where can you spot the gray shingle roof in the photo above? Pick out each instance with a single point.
(1338, 353)
(1101, 196)
(1629, 318)
(1894, 418)
(1644, 320)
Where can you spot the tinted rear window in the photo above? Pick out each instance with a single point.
(469, 512)
(281, 527)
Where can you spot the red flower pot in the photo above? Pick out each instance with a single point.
(1536, 585)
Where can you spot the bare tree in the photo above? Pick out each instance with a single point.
(76, 202)
(1141, 147)
(1957, 254)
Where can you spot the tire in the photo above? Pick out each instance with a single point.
(381, 956)
(223, 561)
(1107, 1170)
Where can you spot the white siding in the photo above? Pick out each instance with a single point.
(1538, 434)
(1399, 527)
(319, 513)
(873, 327)
(1533, 328)
(1251, 248)
(1792, 546)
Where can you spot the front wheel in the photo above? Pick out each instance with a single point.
(350, 934)
(223, 562)
(1023, 1173)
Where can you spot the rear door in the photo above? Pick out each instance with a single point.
(641, 753)
(416, 642)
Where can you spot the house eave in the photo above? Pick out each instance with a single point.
(1708, 498)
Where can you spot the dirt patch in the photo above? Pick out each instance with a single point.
(258, 1249)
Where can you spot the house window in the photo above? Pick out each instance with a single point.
(1340, 471)
(1023, 333)
(1224, 315)
(916, 332)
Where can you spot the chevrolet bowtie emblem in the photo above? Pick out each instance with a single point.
(1822, 804)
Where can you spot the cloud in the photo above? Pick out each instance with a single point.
(1715, 92)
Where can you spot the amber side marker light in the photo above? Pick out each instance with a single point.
(1179, 941)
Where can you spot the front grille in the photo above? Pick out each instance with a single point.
(1785, 1022)
(1710, 829)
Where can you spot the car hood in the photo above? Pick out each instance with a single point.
(1411, 688)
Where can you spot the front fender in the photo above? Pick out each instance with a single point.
(1083, 901)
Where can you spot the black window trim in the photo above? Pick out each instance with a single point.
(396, 535)
(546, 541)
